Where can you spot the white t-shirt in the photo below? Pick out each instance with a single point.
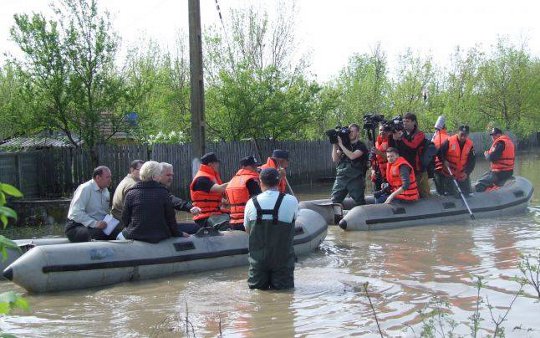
(267, 200)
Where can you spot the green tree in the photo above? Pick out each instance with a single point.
(255, 90)
(157, 88)
(68, 66)
(508, 89)
(364, 86)
(14, 117)
(461, 89)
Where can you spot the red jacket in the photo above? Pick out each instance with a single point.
(238, 194)
(209, 202)
(271, 163)
(457, 156)
(394, 179)
(506, 161)
(438, 139)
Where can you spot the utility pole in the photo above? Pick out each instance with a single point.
(197, 84)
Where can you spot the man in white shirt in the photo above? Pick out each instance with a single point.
(269, 220)
(89, 206)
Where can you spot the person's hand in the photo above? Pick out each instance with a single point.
(101, 225)
(195, 210)
(339, 142)
(486, 154)
(185, 234)
(282, 172)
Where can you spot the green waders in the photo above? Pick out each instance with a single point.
(349, 180)
(271, 251)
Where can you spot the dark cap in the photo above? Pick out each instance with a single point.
(209, 158)
(495, 131)
(464, 129)
(270, 177)
(278, 153)
(248, 161)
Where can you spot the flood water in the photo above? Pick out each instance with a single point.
(406, 270)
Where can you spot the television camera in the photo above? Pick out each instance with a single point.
(341, 132)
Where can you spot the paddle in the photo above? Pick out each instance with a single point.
(460, 192)
(195, 165)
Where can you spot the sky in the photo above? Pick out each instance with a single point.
(332, 31)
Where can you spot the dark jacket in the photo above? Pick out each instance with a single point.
(148, 213)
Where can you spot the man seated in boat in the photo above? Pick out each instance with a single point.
(88, 208)
(501, 156)
(457, 154)
(148, 212)
(401, 179)
(351, 157)
(269, 219)
(166, 178)
(438, 138)
(207, 192)
(243, 186)
(410, 142)
(121, 189)
(280, 161)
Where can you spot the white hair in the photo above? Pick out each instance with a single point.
(150, 170)
(166, 166)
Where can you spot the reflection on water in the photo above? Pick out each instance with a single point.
(405, 269)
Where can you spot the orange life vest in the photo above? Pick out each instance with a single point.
(271, 163)
(506, 161)
(381, 144)
(209, 202)
(394, 179)
(457, 156)
(438, 139)
(238, 194)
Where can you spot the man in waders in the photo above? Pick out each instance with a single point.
(352, 161)
(269, 220)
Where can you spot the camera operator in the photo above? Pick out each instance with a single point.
(351, 167)
(410, 143)
(378, 167)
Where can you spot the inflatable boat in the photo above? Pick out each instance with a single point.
(57, 267)
(512, 198)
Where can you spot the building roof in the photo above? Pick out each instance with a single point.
(40, 141)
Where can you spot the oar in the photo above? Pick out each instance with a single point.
(460, 192)
(195, 165)
(288, 185)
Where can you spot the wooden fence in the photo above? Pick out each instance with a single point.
(57, 172)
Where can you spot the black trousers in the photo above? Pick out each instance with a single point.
(493, 177)
(76, 232)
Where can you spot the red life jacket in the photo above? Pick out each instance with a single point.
(381, 144)
(438, 139)
(506, 161)
(209, 202)
(271, 163)
(394, 179)
(457, 156)
(238, 194)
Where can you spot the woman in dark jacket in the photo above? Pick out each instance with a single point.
(148, 211)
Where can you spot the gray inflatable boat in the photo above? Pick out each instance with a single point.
(57, 267)
(512, 198)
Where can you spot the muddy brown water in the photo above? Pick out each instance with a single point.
(406, 269)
